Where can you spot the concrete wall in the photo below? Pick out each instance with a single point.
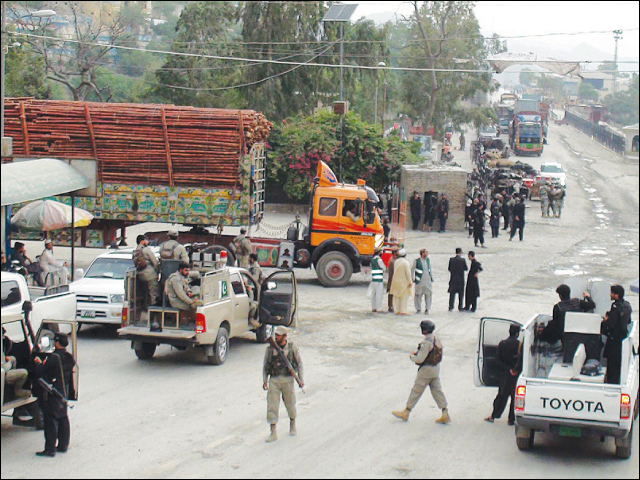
(630, 135)
(449, 180)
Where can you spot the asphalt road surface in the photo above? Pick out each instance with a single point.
(175, 416)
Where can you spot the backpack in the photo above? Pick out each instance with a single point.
(435, 356)
(139, 259)
(166, 252)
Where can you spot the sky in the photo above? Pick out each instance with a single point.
(535, 18)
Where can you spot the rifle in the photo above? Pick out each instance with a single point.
(51, 390)
(293, 373)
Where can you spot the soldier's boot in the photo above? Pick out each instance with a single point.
(274, 435)
(402, 415)
(292, 428)
(445, 418)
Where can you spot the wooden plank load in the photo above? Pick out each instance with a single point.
(138, 143)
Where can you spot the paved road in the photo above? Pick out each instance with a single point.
(177, 417)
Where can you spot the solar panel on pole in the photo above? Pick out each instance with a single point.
(340, 13)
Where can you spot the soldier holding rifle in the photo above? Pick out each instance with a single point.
(282, 366)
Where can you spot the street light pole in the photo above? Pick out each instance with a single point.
(341, 60)
(5, 44)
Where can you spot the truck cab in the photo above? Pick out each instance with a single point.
(345, 228)
(555, 394)
(227, 295)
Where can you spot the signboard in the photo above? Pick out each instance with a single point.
(425, 144)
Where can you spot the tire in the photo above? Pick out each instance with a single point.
(635, 408)
(264, 333)
(231, 258)
(525, 441)
(220, 349)
(624, 446)
(146, 352)
(334, 269)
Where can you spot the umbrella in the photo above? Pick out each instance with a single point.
(46, 215)
(635, 286)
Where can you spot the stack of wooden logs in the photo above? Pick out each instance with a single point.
(138, 143)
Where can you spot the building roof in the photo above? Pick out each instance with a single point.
(596, 75)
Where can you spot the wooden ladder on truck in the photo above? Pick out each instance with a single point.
(258, 182)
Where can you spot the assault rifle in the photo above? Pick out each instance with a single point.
(293, 373)
(51, 390)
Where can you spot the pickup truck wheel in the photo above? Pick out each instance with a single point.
(220, 349)
(264, 333)
(334, 269)
(525, 439)
(146, 351)
(624, 446)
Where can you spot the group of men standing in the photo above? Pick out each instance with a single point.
(434, 208)
(552, 199)
(404, 276)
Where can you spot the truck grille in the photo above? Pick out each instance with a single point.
(95, 314)
(92, 299)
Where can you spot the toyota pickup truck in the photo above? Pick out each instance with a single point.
(226, 295)
(45, 303)
(554, 394)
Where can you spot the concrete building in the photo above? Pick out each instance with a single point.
(632, 139)
(429, 180)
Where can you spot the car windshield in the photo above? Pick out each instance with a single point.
(109, 268)
(552, 169)
(489, 130)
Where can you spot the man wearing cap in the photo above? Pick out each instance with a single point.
(243, 248)
(423, 278)
(544, 198)
(377, 282)
(172, 249)
(279, 382)
(615, 326)
(178, 290)
(457, 267)
(54, 271)
(428, 358)
(401, 284)
(56, 370)
(148, 267)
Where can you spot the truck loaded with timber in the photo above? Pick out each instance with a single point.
(199, 167)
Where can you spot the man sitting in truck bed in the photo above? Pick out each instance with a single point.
(554, 331)
(179, 292)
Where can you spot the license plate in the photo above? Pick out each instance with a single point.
(570, 432)
(88, 314)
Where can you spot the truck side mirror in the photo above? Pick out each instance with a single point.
(27, 307)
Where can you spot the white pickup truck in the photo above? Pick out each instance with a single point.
(47, 303)
(553, 395)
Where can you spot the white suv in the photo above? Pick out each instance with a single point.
(554, 172)
(100, 292)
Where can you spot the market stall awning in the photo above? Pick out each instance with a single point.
(36, 179)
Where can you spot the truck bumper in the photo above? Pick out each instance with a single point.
(588, 429)
(176, 338)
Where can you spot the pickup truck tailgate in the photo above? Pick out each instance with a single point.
(579, 401)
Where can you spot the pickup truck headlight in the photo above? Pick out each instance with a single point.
(116, 298)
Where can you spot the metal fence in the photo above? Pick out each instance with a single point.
(600, 133)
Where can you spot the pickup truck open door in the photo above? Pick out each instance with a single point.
(487, 373)
(279, 299)
(45, 342)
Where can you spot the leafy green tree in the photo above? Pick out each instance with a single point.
(622, 107)
(25, 74)
(495, 45)
(587, 92)
(444, 35)
(203, 28)
(527, 77)
(297, 144)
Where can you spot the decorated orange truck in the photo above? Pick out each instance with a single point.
(342, 232)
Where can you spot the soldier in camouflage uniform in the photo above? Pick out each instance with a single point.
(544, 199)
(280, 383)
